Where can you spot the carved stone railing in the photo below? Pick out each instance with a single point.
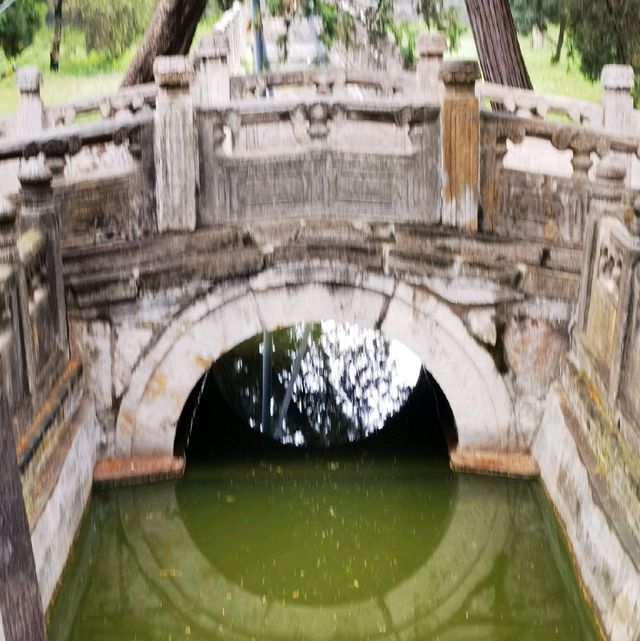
(534, 204)
(528, 104)
(233, 26)
(322, 81)
(106, 204)
(123, 103)
(374, 159)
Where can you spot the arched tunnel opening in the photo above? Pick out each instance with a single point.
(333, 389)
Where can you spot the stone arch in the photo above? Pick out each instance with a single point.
(214, 324)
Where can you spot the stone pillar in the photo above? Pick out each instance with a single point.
(617, 81)
(460, 125)
(9, 254)
(175, 145)
(608, 191)
(431, 48)
(619, 116)
(21, 615)
(212, 70)
(40, 210)
(31, 119)
(8, 231)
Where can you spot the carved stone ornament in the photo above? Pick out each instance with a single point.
(460, 72)
(211, 47)
(580, 141)
(511, 129)
(33, 172)
(431, 45)
(28, 79)
(173, 71)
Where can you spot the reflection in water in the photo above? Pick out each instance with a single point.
(328, 550)
(331, 383)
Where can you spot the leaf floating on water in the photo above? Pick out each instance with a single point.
(356, 585)
(187, 630)
(296, 594)
(229, 498)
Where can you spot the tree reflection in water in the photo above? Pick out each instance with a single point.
(345, 383)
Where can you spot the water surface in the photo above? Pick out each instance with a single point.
(336, 550)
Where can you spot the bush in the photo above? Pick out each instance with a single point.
(18, 24)
(109, 27)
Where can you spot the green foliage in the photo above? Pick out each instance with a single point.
(598, 33)
(604, 34)
(444, 19)
(18, 25)
(109, 26)
(528, 14)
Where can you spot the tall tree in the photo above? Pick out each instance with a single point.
(497, 43)
(169, 33)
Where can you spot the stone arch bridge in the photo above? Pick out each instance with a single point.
(501, 246)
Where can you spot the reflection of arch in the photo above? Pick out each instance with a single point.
(414, 608)
(211, 326)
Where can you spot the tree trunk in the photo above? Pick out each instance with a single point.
(21, 616)
(563, 26)
(497, 43)
(169, 33)
(54, 56)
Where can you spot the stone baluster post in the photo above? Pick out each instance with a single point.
(31, 119)
(431, 48)
(175, 145)
(8, 231)
(212, 70)
(460, 124)
(608, 191)
(9, 254)
(619, 117)
(40, 210)
(617, 82)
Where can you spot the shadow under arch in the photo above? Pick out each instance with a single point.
(163, 379)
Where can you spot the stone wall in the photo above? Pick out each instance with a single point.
(136, 307)
(588, 446)
(51, 417)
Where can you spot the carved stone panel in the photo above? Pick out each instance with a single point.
(604, 303)
(320, 182)
(540, 207)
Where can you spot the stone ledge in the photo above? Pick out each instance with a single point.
(133, 471)
(520, 464)
(606, 557)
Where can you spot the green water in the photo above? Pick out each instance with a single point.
(338, 550)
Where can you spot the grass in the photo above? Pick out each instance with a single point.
(563, 78)
(83, 74)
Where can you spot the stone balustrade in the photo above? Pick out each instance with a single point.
(324, 81)
(528, 104)
(220, 151)
(534, 204)
(233, 26)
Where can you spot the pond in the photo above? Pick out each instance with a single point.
(320, 548)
